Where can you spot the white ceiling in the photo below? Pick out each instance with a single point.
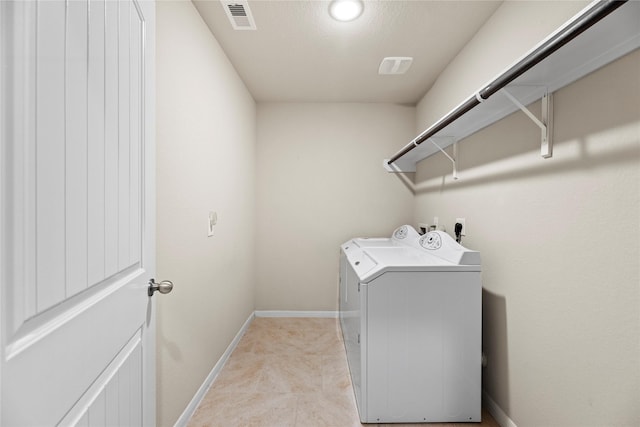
(299, 53)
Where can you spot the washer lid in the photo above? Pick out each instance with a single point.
(362, 263)
(405, 235)
(374, 242)
(403, 256)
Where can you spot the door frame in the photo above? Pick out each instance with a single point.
(149, 197)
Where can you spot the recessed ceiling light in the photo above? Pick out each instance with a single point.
(346, 10)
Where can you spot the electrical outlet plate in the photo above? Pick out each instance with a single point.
(213, 219)
(462, 221)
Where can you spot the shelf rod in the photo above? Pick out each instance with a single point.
(574, 29)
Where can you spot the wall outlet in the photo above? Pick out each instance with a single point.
(435, 221)
(462, 221)
(213, 220)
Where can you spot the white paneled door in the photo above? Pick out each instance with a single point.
(77, 212)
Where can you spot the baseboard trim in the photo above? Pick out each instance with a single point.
(204, 388)
(496, 411)
(285, 313)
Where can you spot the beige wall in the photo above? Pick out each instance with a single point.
(320, 182)
(559, 238)
(206, 161)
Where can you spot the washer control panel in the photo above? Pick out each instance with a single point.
(401, 232)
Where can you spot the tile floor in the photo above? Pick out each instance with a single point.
(288, 372)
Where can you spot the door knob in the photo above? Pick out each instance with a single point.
(163, 287)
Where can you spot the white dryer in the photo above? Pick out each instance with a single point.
(410, 312)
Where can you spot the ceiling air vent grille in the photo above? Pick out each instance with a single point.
(239, 14)
(395, 65)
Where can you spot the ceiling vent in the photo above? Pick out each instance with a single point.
(239, 14)
(395, 65)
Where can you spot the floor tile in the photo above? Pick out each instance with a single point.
(288, 372)
(291, 374)
(266, 410)
(327, 410)
(335, 374)
(241, 373)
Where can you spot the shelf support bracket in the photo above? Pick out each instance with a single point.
(453, 159)
(545, 125)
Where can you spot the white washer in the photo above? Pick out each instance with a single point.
(410, 312)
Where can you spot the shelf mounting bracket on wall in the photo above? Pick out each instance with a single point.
(545, 125)
(455, 153)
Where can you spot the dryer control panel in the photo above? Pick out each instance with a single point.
(431, 241)
(444, 246)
